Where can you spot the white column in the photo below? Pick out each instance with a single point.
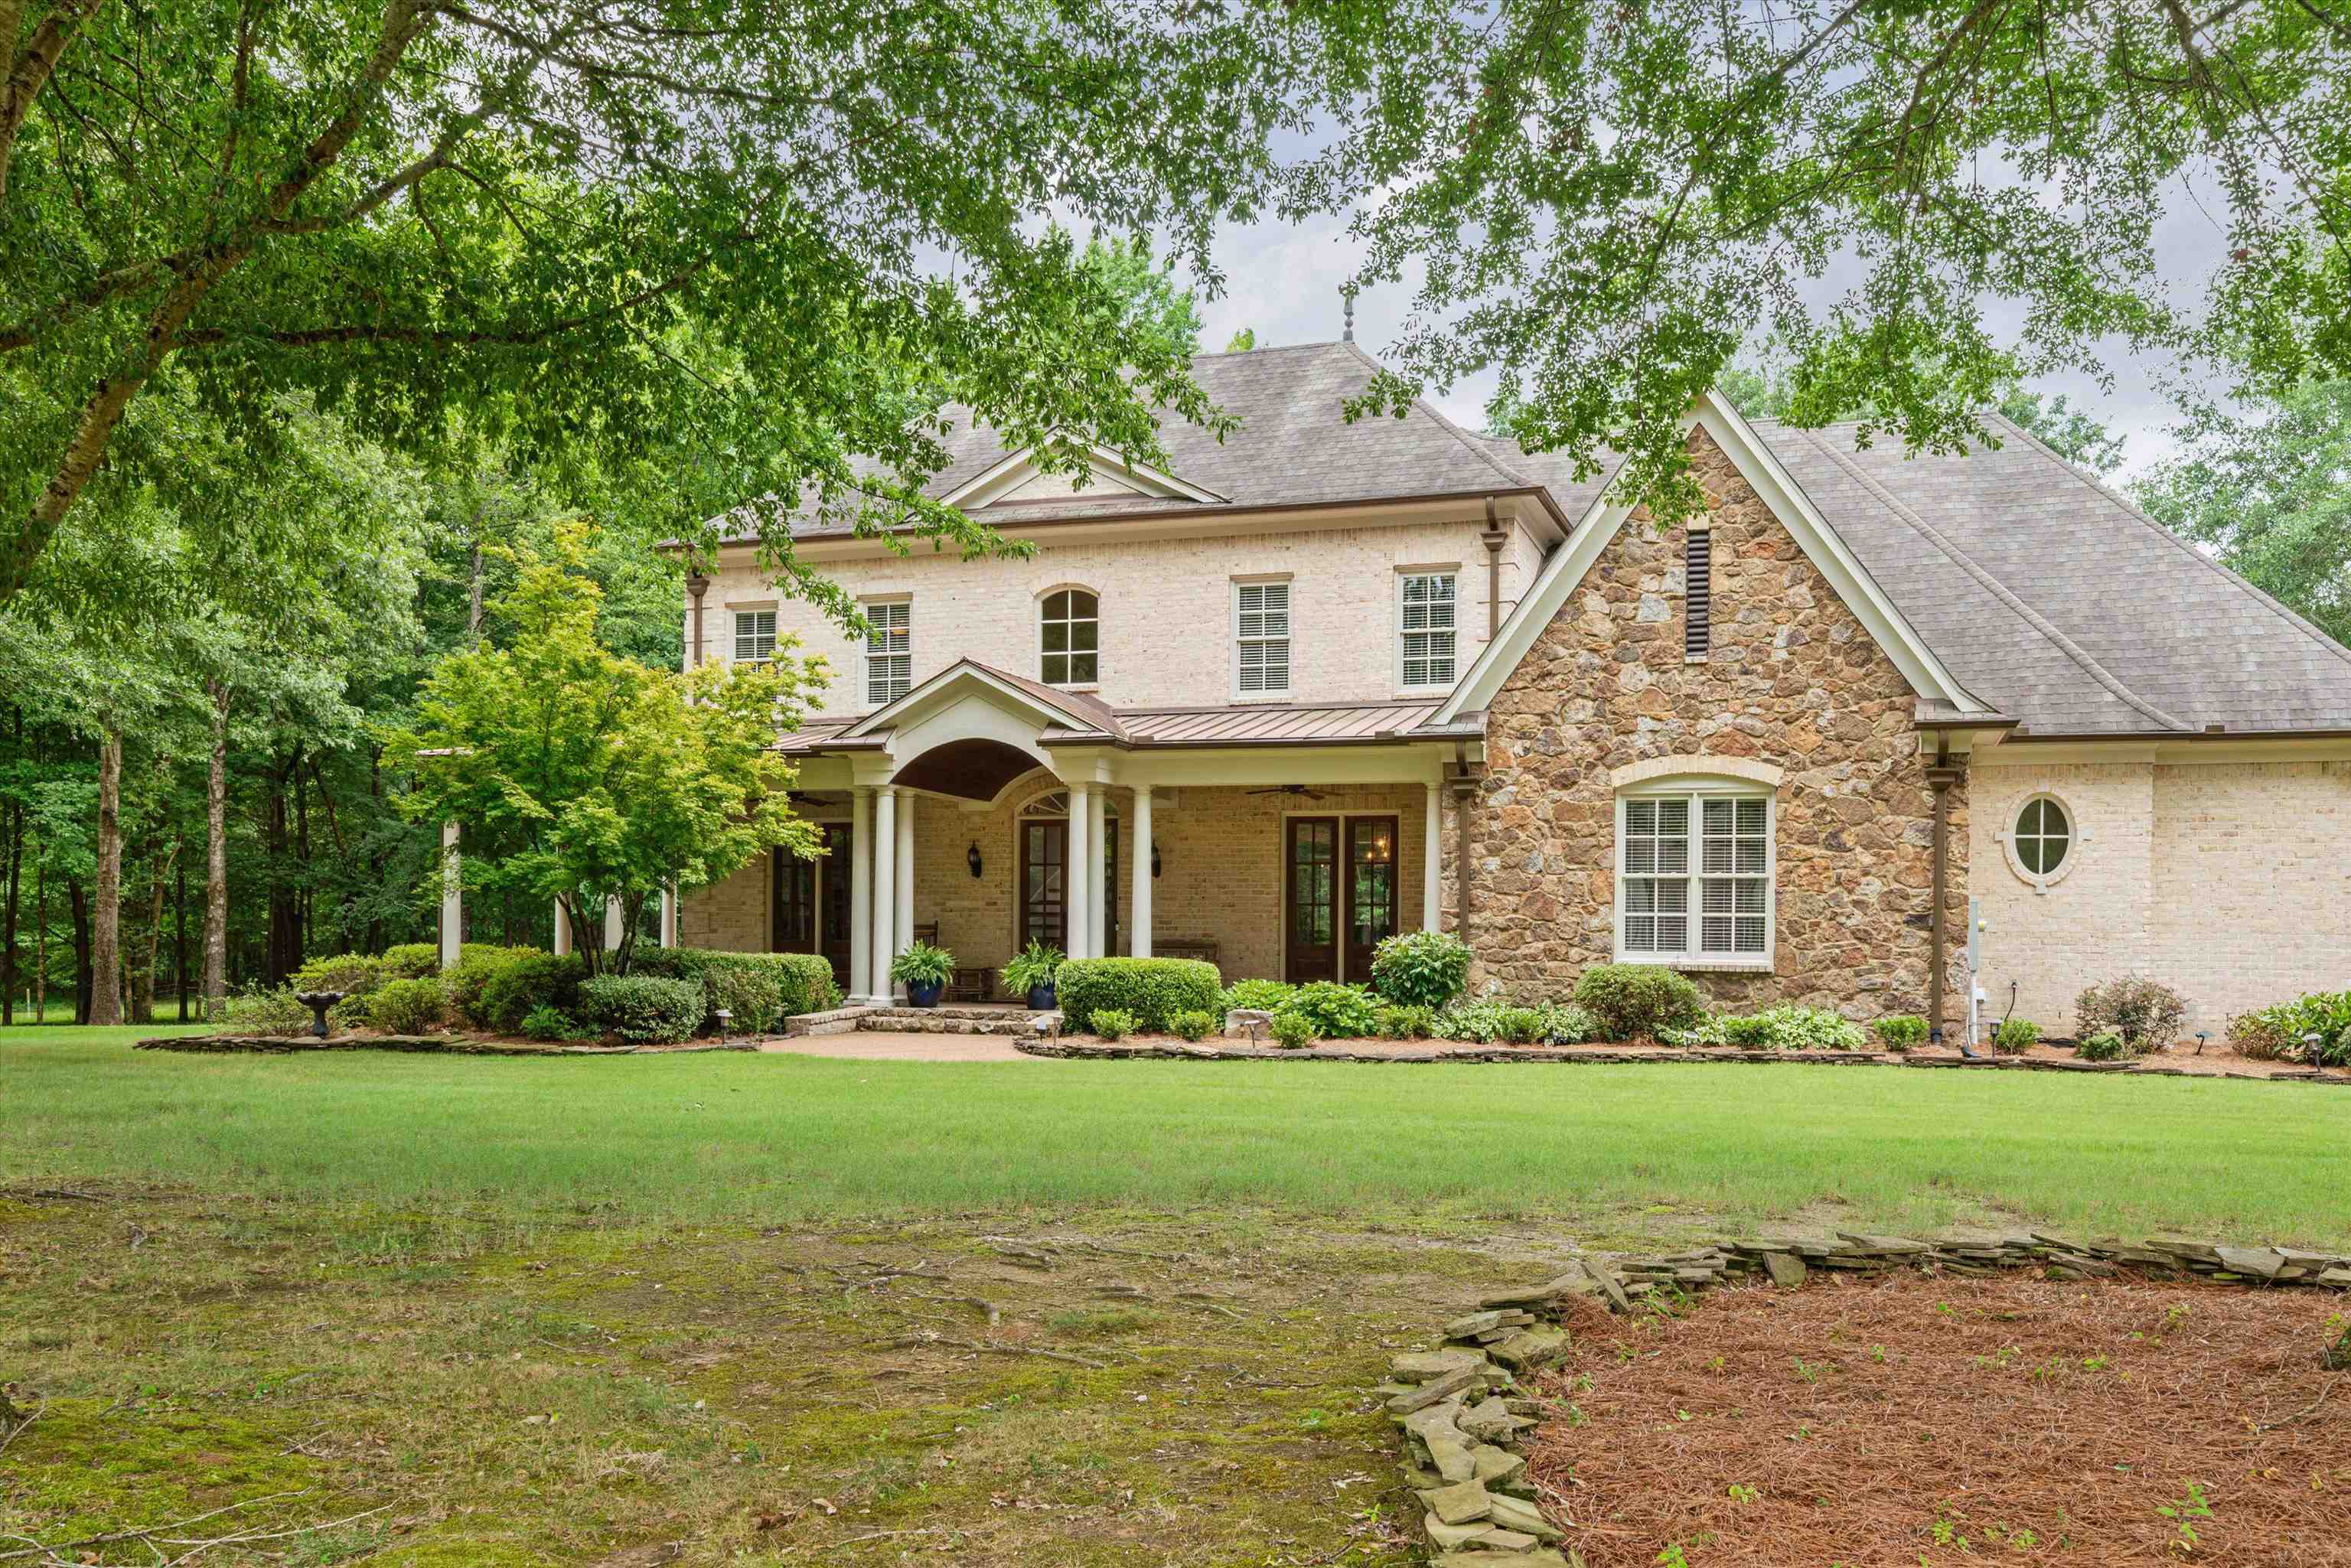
(1078, 908)
(860, 890)
(905, 870)
(614, 924)
(669, 915)
(1097, 873)
(1431, 863)
(452, 897)
(1138, 939)
(885, 888)
(562, 929)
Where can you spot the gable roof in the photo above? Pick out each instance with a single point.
(1076, 713)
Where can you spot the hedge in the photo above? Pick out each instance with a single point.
(645, 1009)
(1153, 989)
(528, 983)
(803, 982)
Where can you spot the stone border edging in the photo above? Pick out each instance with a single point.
(426, 1044)
(1464, 1421)
(1182, 1051)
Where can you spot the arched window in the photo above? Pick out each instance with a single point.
(1071, 626)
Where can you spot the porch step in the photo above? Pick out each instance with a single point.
(839, 1020)
(952, 1020)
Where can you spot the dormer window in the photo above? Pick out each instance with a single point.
(1071, 638)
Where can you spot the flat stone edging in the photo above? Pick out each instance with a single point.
(1464, 1420)
(1082, 1051)
(428, 1044)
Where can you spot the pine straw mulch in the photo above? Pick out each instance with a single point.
(1912, 1419)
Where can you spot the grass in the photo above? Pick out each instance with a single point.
(774, 1310)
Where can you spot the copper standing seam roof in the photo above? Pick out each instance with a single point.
(1327, 723)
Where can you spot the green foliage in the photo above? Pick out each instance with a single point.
(1152, 989)
(752, 999)
(921, 964)
(1627, 1000)
(1490, 1021)
(468, 983)
(1112, 1023)
(266, 1013)
(2014, 1036)
(524, 984)
(1336, 1011)
(1292, 1030)
(2281, 1032)
(2147, 1013)
(593, 777)
(2105, 1045)
(1569, 1024)
(549, 1024)
(1405, 1022)
(1900, 1031)
(412, 960)
(1421, 968)
(353, 974)
(803, 981)
(1193, 1023)
(1785, 1027)
(408, 1007)
(643, 1010)
(1242, 341)
(1032, 967)
(1257, 995)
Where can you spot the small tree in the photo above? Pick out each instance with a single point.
(595, 776)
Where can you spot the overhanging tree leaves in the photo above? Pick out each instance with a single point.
(595, 777)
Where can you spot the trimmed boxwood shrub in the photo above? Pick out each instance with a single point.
(353, 974)
(1421, 968)
(802, 981)
(476, 967)
(1407, 1022)
(1192, 1023)
(407, 1006)
(1293, 1031)
(522, 986)
(1630, 999)
(2013, 1037)
(1113, 1023)
(1336, 1011)
(413, 960)
(1152, 989)
(645, 1009)
(2103, 1046)
(1901, 1031)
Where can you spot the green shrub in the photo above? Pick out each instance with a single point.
(1258, 995)
(524, 984)
(412, 960)
(2103, 1046)
(1420, 969)
(1032, 967)
(1405, 1022)
(477, 966)
(1152, 990)
(1336, 1011)
(1785, 1027)
(1901, 1031)
(921, 964)
(353, 974)
(2146, 1013)
(1113, 1023)
(1568, 1024)
(265, 1012)
(752, 999)
(803, 981)
(1630, 1000)
(1193, 1023)
(2281, 1032)
(1757, 1031)
(2013, 1037)
(547, 1023)
(1292, 1030)
(645, 1009)
(408, 1007)
(1520, 1026)
(1485, 1022)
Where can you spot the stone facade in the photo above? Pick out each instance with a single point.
(1792, 679)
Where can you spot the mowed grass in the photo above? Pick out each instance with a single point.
(777, 1139)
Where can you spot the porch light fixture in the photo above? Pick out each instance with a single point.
(1154, 861)
(971, 858)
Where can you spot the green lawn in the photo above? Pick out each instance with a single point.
(773, 1138)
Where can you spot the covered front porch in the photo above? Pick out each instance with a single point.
(981, 812)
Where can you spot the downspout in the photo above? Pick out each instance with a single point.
(697, 585)
(1939, 779)
(1493, 538)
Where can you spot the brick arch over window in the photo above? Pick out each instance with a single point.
(1748, 768)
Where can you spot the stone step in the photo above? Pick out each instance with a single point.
(1018, 1021)
(839, 1020)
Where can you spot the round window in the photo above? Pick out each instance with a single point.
(2044, 837)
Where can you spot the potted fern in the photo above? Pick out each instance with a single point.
(1031, 971)
(924, 971)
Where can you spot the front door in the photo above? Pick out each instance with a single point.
(840, 855)
(1309, 860)
(1044, 882)
(793, 884)
(1371, 891)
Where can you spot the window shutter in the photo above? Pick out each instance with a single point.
(1698, 592)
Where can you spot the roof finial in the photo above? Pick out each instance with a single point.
(1348, 294)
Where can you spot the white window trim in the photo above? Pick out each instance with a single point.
(734, 633)
(2076, 836)
(867, 656)
(1696, 791)
(1288, 637)
(1405, 575)
(1043, 652)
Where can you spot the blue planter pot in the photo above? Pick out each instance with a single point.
(1040, 999)
(927, 995)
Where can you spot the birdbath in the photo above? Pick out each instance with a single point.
(319, 1002)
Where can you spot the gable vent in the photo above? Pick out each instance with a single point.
(1698, 592)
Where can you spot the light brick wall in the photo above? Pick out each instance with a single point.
(1166, 607)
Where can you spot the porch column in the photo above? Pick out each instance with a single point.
(861, 890)
(885, 887)
(669, 915)
(905, 872)
(614, 926)
(452, 897)
(1432, 861)
(1078, 907)
(1097, 877)
(562, 929)
(1138, 937)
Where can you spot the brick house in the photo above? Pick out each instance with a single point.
(1320, 681)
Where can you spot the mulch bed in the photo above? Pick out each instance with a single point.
(1911, 1419)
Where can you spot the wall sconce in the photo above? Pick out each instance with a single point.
(971, 858)
(1154, 861)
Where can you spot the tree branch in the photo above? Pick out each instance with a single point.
(28, 71)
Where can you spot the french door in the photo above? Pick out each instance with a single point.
(1045, 882)
(1339, 895)
(832, 915)
(811, 901)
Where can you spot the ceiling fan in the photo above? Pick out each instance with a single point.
(1291, 790)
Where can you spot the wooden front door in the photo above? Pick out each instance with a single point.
(838, 866)
(792, 885)
(1371, 891)
(1309, 858)
(1045, 883)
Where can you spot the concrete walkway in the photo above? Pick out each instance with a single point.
(878, 1045)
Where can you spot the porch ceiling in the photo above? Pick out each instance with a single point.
(976, 769)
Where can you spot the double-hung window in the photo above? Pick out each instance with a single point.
(754, 636)
(1261, 639)
(1424, 625)
(1694, 873)
(889, 650)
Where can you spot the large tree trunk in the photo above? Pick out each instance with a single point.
(216, 862)
(106, 938)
